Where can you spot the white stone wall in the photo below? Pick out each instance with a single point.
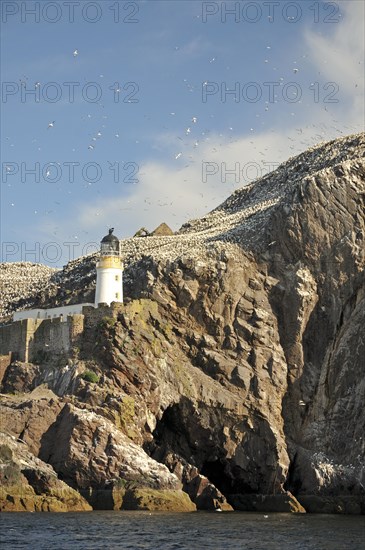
(50, 313)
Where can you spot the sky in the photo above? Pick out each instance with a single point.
(130, 114)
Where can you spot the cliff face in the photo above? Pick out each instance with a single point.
(235, 370)
(30, 485)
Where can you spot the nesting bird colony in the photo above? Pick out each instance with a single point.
(239, 221)
(20, 280)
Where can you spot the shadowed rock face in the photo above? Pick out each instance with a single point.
(237, 361)
(30, 485)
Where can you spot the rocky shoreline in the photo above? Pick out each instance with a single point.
(231, 378)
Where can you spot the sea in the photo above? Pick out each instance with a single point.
(174, 531)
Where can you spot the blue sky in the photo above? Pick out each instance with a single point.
(149, 134)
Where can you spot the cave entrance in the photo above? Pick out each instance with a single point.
(171, 434)
(228, 480)
(214, 471)
(293, 482)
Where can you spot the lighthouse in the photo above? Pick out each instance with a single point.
(109, 271)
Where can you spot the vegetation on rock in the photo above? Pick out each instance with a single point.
(90, 376)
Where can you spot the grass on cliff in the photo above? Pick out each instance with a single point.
(90, 376)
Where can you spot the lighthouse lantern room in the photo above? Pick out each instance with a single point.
(109, 271)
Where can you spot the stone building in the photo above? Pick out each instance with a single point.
(34, 333)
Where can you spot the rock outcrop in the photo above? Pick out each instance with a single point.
(234, 371)
(30, 485)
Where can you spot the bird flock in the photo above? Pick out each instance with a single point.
(240, 222)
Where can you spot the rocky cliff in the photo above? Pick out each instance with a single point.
(234, 372)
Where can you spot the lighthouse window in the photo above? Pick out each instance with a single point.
(117, 277)
(117, 295)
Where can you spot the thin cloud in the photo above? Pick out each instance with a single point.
(175, 191)
(339, 57)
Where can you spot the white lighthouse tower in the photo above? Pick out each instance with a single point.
(109, 271)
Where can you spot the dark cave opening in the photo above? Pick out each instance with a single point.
(228, 482)
(170, 435)
(179, 431)
(214, 471)
(293, 482)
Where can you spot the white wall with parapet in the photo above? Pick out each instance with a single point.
(50, 313)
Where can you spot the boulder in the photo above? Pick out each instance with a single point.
(30, 485)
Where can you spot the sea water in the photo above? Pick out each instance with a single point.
(173, 531)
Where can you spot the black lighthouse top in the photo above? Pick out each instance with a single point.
(110, 244)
